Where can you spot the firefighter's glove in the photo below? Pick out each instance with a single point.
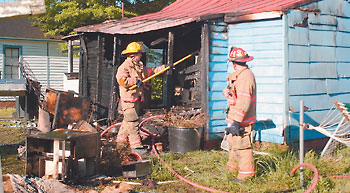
(139, 83)
(234, 129)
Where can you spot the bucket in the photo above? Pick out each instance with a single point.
(184, 139)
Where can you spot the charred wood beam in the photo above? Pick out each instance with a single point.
(169, 78)
(98, 72)
(158, 41)
(204, 61)
(113, 99)
(193, 68)
(193, 76)
(83, 72)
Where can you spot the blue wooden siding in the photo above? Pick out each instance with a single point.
(217, 78)
(319, 62)
(264, 41)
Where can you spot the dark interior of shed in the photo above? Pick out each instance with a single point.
(180, 86)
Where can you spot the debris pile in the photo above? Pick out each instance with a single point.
(185, 117)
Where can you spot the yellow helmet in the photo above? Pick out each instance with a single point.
(135, 47)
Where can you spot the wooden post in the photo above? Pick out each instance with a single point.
(56, 158)
(204, 68)
(98, 73)
(169, 79)
(63, 144)
(114, 94)
(70, 56)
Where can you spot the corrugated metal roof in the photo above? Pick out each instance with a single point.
(186, 11)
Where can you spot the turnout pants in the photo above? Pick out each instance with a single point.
(241, 154)
(128, 131)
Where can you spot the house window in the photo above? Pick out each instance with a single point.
(11, 63)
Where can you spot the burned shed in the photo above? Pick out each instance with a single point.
(300, 48)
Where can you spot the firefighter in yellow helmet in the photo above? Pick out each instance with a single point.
(132, 72)
(241, 116)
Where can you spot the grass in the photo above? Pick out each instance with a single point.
(209, 168)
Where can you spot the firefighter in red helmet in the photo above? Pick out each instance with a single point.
(131, 72)
(241, 115)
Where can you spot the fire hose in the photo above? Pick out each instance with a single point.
(313, 169)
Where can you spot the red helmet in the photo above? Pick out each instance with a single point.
(239, 55)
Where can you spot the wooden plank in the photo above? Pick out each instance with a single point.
(322, 19)
(343, 39)
(216, 114)
(217, 105)
(322, 54)
(322, 27)
(217, 50)
(343, 69)
(322, 38)
(312, 102)
(335, 7)
(217, 86)
(299, 70)
(248, 46)
(268, 71)
(298, 53)
(266, 53)
(218, 35)
(298, 36)
(218, 66)
(263, 97)
(323, 70)
(218, 28)
(335, 86)
(266, 80)
(258, 39)
(342, 54)
(217, 76)
(270, 87)
(296, 17)
(306, 86)
(219, 122)
(204, 70)
(216, 96)
(343, 24)
(261, 31)
(257, 24)
(218, 58)
(269, 107)
(217, 129)
(218, 43)
(267, 62)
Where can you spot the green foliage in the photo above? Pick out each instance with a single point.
(146, 6)
(62, 17)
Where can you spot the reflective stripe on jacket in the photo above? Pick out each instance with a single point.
(242, 84)
(127, 74)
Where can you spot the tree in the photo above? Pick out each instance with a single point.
(146, 6)
(62, 16)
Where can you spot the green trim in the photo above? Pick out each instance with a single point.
(34, 40)
(3, 57)
(47, 64)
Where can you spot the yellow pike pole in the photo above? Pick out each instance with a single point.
(165, 69)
